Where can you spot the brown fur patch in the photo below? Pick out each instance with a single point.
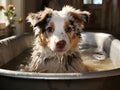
(52, 24)
(73, 41)
(43, 40)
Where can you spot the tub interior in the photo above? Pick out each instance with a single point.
(19, 62)
(96, 52)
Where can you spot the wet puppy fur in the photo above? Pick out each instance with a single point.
(57, 34)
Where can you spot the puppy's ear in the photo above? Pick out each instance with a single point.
(37, 18)
(82, 16)
(32, 18)
(85, 16)
(77, 14)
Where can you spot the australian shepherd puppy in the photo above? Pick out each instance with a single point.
(57, 34)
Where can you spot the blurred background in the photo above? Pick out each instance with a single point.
(105, 14)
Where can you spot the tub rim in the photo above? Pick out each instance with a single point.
(59, 76)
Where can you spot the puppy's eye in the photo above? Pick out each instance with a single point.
(50, 29)
(68, 29)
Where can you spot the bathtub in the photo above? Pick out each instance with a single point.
(102, 80)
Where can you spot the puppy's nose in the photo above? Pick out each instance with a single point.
(61, 44)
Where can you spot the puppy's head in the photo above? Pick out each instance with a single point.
(58, 30)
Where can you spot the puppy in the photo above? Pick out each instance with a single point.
(57, 34)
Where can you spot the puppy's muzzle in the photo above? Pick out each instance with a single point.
(60, 45)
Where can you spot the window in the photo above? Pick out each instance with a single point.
(92, 1)
(2, 18)
(4, 21)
